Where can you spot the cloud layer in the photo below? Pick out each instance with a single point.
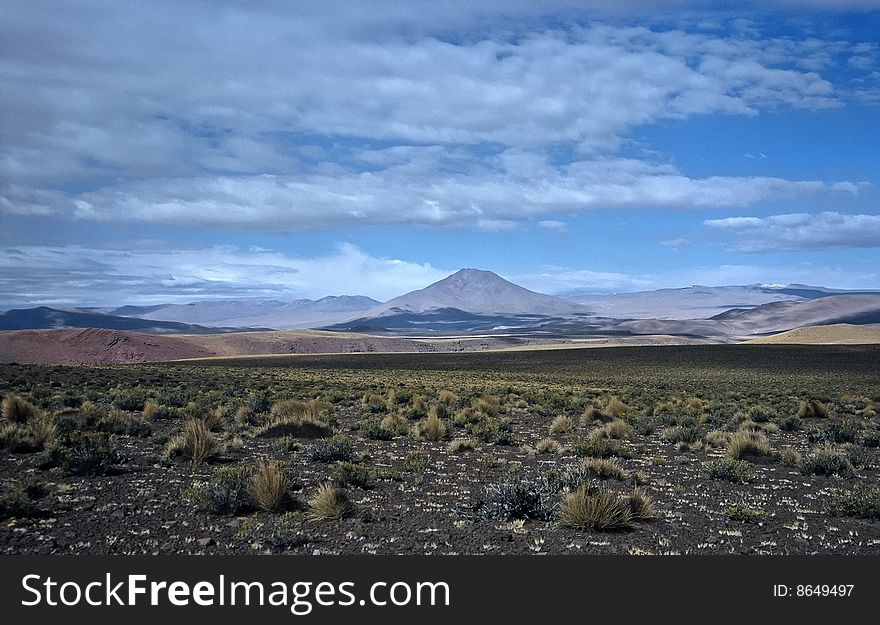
(263, 118)
(800, 231)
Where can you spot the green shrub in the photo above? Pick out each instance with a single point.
(730, 470)
(743, 513)
(351, 474)
(514, 498)
(862, 502)
(334, 449)
(827, 460)
(835, 431)
(90, 454)
(227, 492)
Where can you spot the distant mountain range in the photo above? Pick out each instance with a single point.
(473, 301)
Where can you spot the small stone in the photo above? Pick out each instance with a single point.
(205, 542)
(316, 552)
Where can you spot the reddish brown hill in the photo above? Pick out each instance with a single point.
(94, 347)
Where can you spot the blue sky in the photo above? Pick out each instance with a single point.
(176, 151)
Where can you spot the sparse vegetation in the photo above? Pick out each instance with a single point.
(269, 486)
(196, 443)
(329, 503)
(595, 509)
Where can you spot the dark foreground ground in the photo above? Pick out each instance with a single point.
(103, 481)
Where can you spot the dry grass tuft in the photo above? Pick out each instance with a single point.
(748, 443)
(615, 407)
(195, 444)
(605, 468)
(430, 429)
(618, 428)
(18, 410)
(595, 510)
(812, 409)
(641, 505)
(460, 445)
(330, 502)
(561, 425)
(548, 446)
(269, 486)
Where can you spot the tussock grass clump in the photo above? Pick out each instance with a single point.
(328, 503)
(827, 460)
(641, 505)
(548, 446)
(334, 449)
(447, 398)
(489, 405)
(592, 415)
(790, 457)
(835, 431)
(748, 443)
(216, 420)
(861, 502)
(291, 417)
(372, 428)
(617, 428)
(599, 447)
(394, 423)
(812, 409)
(615, 407)
(730, 470)
(561, 425)
(39, 431)
(604, 468)
(717, 438)
(269, 486)
(153, 410)
(373, 402)
(681, 434)
(17, 498)
(460, 445)
(595, 510)
(196, 443)
(430, 429)
(18, 410)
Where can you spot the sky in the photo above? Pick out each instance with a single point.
(158, 151)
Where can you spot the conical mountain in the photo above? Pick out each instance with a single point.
(478, 292)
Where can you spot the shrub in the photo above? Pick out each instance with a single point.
(216, 420)
(430, 429)
(90, 454)
(129, 399)
(329, 502)
(595, 509)
(491, 430)
(15, 501)
(269, 486)
(372, 428)
(460, 445)
(789, 423)
(416, 461)
(836, 431)
(730, 470)
(373, 402)
(561, 425)
(195, 444)
(336, 448)
(862, 502)
(743, 513)
(514, 498)
(748, 443)
(351, 474)
(227, 492)
(604, 468)
(827, 460)
(686, 434)
(36, 433)
(123, 423)
(488, 405)
(812, 409)
(17, 410)
(717, 438)
(598, 447)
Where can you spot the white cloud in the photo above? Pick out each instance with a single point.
(265, 116)
(563, 280)
(800, 231)
(420, 191)
(148, 274)
(675, 243)
(553, 224)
